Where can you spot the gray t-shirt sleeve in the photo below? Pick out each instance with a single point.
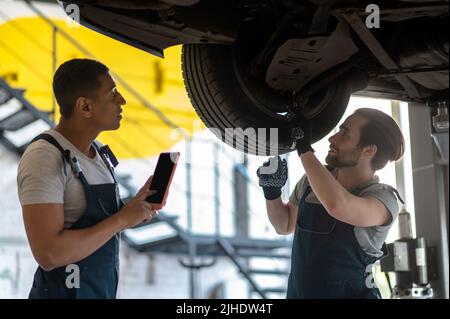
(387, 197)
(298, 191)
(40, 176)
(371, 239)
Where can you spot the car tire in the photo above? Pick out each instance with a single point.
(225, 97)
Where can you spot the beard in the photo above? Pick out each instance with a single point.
(347, 159)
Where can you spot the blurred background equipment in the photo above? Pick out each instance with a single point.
(412, 262)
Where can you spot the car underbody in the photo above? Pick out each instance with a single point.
(287, 50)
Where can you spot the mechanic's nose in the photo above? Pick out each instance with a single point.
(332, 139)
(122, 100)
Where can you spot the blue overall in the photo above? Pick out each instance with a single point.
(327, 260)
(98, 273)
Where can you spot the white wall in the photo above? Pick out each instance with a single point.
(16, 262)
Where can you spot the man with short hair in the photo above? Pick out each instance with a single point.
(69, 193)
(340, 214)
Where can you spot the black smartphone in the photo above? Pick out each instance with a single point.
(162, 177)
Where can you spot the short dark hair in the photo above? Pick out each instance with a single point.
(381, 130)
(75, 78)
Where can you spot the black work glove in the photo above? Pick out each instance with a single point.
(272, 177)
(301, 134)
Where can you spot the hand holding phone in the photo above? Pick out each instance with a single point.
(162, 178)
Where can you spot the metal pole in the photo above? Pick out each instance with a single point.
(429, 194)
(191, 244)
(399, 165)
(193, 278)
(241, 220)
(189, 185)
(216, 188)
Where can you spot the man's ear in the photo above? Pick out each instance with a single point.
(84, 107)
(370, 150)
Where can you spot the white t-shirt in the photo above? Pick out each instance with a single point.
(41, 177)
